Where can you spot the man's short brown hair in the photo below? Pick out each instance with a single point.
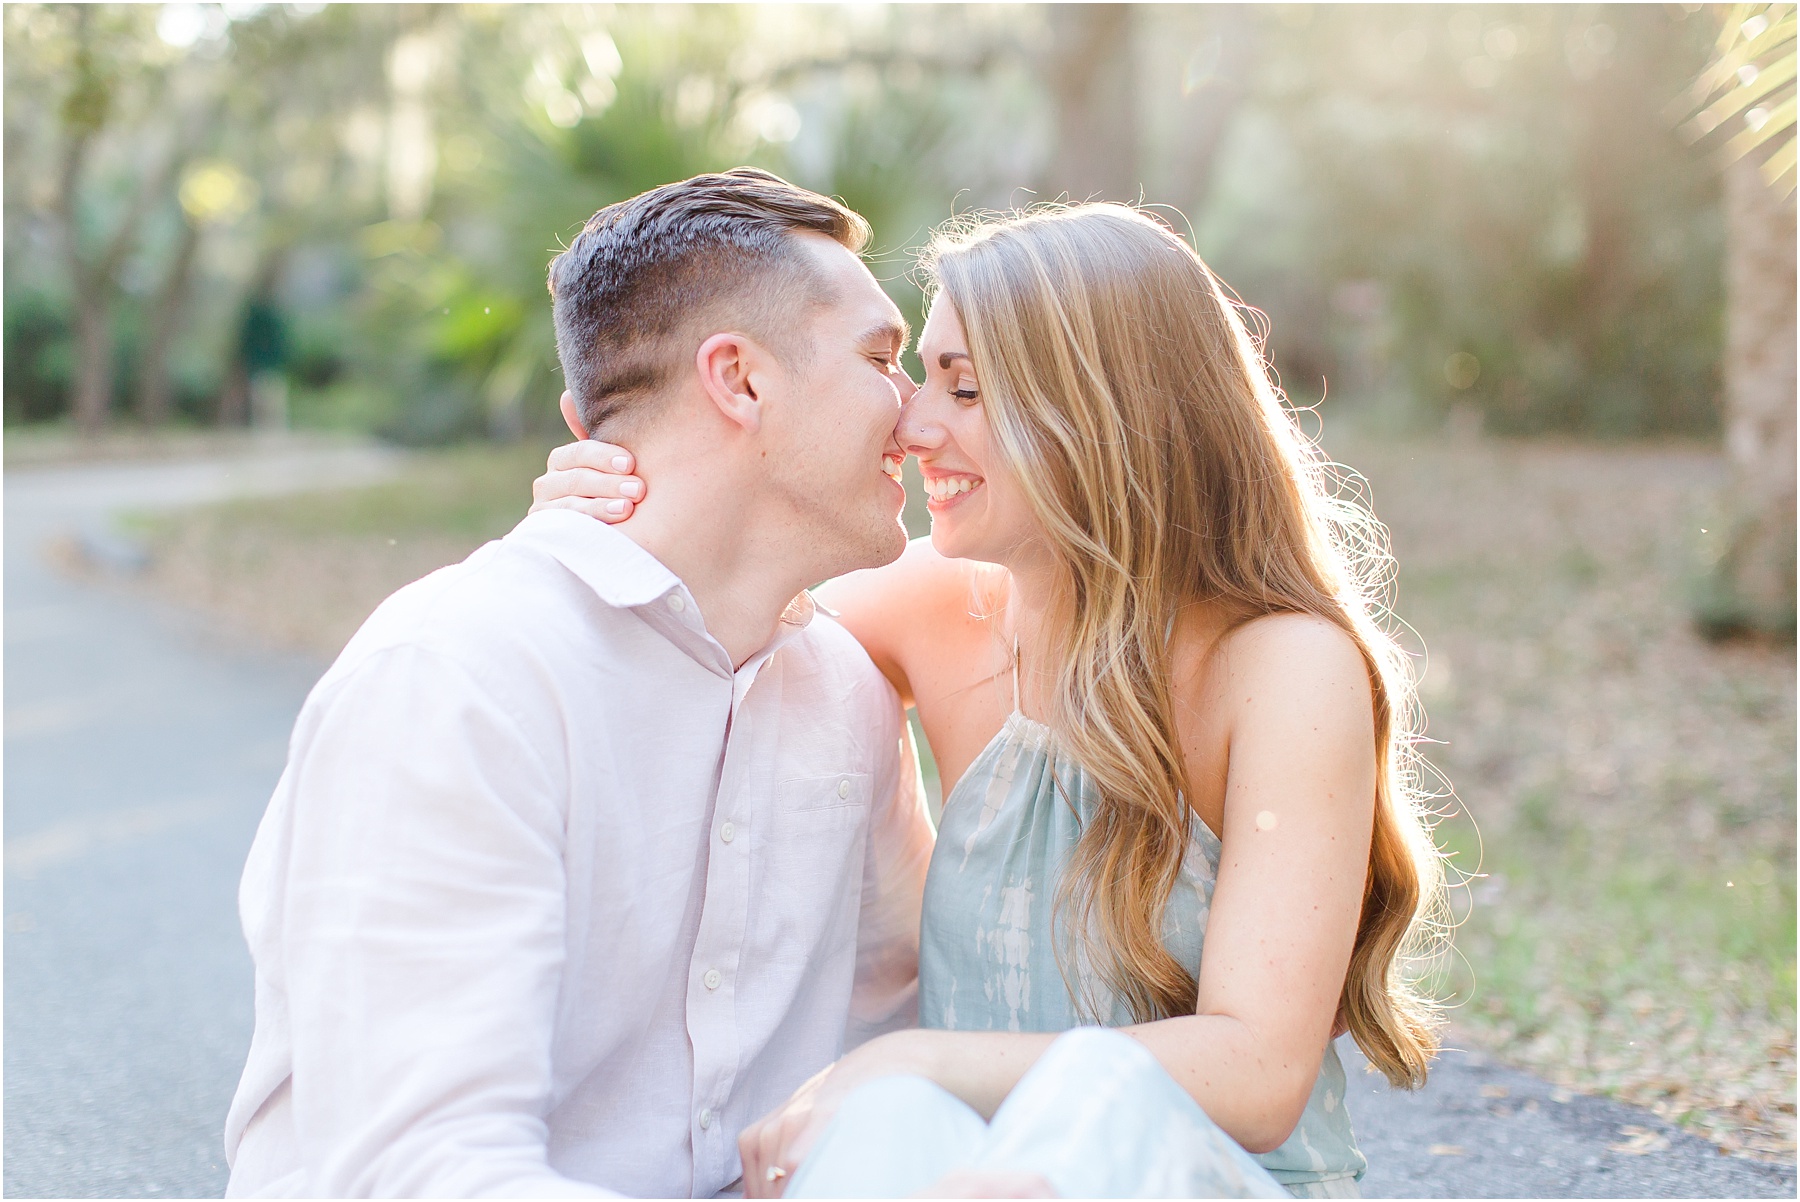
(632, 290)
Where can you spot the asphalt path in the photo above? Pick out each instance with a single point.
(141, 746)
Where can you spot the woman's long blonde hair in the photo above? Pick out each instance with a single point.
(1136, 413)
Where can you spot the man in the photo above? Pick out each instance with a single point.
(593, 847)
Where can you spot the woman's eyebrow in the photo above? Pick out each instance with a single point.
(945, 358)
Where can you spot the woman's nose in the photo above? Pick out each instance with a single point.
(918, 429)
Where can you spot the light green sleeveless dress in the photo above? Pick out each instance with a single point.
(986, 957)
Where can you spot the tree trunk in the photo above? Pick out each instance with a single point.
(1230, 45)
(234, 396)
(154, 386)
(1092, 77)
(1752, 590)
(94, 368)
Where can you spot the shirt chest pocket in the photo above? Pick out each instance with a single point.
(813, 862)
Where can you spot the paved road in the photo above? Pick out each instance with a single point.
(141, 747)
(140, 750)
(1482, 1130)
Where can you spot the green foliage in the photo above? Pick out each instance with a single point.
(1474, 207)
(40, 366)
(1751, 80)
(1554, 921)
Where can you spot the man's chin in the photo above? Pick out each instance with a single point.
(886, 545)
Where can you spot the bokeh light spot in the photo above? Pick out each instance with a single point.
(563, 108)
(216, 193)
(181, 25)
(1462, 370)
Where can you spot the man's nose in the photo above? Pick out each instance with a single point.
(904, 383)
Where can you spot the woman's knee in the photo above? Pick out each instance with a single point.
(1086, 1057)
(890, 1136)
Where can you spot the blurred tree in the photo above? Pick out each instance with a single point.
(1751, 587)
(145, 166)
(99, 64)
(1091, 74)
(1220, 59)
(1477, 208)
(1456, 207)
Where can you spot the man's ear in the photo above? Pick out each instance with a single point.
(731, 370)
(572, 415)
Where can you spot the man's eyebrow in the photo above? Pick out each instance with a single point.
(893, 330)
(945, 359)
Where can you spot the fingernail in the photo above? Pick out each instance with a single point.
(631, 488)
(616, 506)
(622, 462)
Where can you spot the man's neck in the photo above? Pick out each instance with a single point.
(741, 570)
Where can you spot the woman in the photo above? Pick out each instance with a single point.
(1142, 646)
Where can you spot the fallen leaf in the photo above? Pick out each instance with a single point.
(1446, 1150)
(1639, 1142)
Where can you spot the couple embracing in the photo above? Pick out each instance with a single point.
(601, 865)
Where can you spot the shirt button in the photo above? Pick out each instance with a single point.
(727, 833)
(705, 1119)
(843, 788)
(676, 603)
(712, 978)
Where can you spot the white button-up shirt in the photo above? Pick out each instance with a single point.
(551, 900)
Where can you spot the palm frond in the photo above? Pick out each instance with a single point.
(1751, 77)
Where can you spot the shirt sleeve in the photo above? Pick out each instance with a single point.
(423, 917)
(885, 996)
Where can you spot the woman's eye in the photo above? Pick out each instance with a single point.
(965, 395)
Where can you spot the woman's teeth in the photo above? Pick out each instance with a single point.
(942, 488)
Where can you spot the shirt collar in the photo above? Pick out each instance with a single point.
(625, 576)
(620, 572)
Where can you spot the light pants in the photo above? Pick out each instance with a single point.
(1096, 1116)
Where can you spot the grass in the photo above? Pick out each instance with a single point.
(1623, 789)
(304, 571)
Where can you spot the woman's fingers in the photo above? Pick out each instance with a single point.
(586, 482)
(610, 498)
(612, 512)
(750, 1154)
(768, 1144)
(600, 456)
(774, 1156)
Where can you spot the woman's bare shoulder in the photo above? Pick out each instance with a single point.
(1271, 656)
(1292, 634)
(1299, 665)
